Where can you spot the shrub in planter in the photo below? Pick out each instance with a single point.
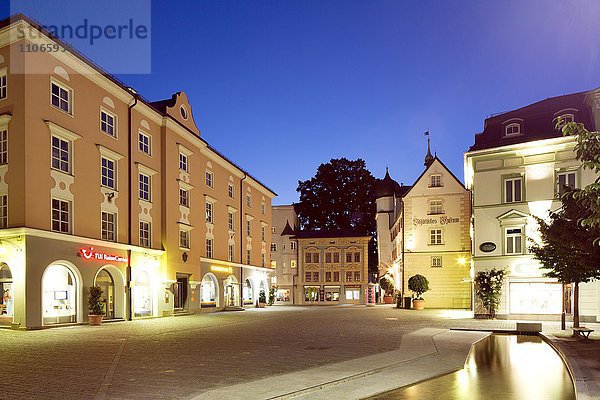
(388, 287)
(419, 285)
(95, 306)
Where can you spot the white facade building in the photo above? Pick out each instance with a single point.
(515, 171)
(284, 252)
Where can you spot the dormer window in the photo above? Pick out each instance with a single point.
(513, 129)
(563, 119)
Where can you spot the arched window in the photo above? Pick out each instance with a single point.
(513, 129)
(6, 294)
(59, 295)
(208, 291)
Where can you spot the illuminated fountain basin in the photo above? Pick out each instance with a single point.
(499, 367)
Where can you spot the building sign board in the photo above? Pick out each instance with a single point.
(487, 247)
(91, 254)
(442, 220)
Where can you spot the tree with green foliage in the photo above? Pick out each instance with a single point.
(588, 152)
(95, 305)
(387, 284)
(340, 196)
(567, 250)
(418, 284)
(488, 288)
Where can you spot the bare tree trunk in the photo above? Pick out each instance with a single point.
(576, 305)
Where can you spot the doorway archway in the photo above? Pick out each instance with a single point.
(106, 282)
(60, 295)
(248, 294)
(6, 295)
(232, 291)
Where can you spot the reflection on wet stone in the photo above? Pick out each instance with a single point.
(499, 367)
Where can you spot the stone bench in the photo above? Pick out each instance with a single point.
(583, 332)
(529, 327)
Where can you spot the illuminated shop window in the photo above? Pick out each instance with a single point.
(59, 296)
(142, 295)
(208, 291)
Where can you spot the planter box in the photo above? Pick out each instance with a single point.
(95, 320)
(388, 299)
(418, 304)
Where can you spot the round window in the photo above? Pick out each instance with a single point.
(184, 112)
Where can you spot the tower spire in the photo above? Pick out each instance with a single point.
(428, 156)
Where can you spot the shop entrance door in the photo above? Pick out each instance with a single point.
(181, 289)
(6, 295)
(105, 281)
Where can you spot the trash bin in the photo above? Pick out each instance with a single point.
(408, 302)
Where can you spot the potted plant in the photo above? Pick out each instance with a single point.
(272, 295)
(95, 306)
(388, 287)
(262, 299)
(418, 284)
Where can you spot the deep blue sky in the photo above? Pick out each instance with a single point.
(313, 80)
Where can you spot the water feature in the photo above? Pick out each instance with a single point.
(499, 367)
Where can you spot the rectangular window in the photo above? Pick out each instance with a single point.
(145, 234)
(248, 256)
(230, 191)
(435, 236)
(348, 257)
(263, 261)
(274, 247)
(348, 276)
(248, 228)
(184, 197)
(357, 257)
(293, 245)
(336, 257)
(336, 276)
(514, 241)
(209, 178)
(435, 207)
(249, 200)
(263, 234)
(144, 143)
(565, 180)
(61, 216)
(4, 146)
(435, 181)
(230, 218)
(144, 187)
(513, 190)
(356, 276)
(316, 258)
(273, 230)
(209, 248)
(109, 226)
(308, 258)
(209, 212)
(61, 154)
(307, 277)
(230, 253)
(263, 208)
(183, 162)
(184, 239)
(328, 257)
(315, 277)
(108, 173)
(3, 85)
(61, 97)
(328, 276)
(436, 262)
(108, 123)
(3, 211)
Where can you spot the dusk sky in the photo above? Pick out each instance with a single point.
(315, 80)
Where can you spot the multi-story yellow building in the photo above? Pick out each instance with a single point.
(101, 187)
(333, 267)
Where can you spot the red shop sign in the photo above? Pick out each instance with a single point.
(91, 254)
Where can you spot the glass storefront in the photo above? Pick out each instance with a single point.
(59, 296)
(311, 293)
(353, 294)
(535, 298)
(105, 281)
(209, 291)
(231, 291)
(332, 294)
(283, 295)
(6, 293)
(248, 295)
(142, 295)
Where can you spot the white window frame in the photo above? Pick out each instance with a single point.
(511, 238)
(436, 262)
(144, 146)
(3, 146)
(3, 84)
(144, 187)
(263, 233)
(145, 234)
(3, 210)
(60, 150)
(435, 180)
(210, 211)
(263, 208)
(107, 169)
(230, 252)
(566, 174)
(273, 230)
(209, 178)
(248, 256)
(231, 220)
(184, 162)
(274, 247)
(106, 124)
(248, 200)
(436, 236)
(513, 132)
(184, 239)
(512, 180)
(60, 220)
(105, 223)
(248, 227)
(436, 207)
(184, 197)
(231, 190)
(210, 248)
(69, 100)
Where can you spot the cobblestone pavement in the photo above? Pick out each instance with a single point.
(178, 357)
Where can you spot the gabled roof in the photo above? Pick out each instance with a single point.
(512, 214)
(427, 169)
(537, 121)
(287, 231)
